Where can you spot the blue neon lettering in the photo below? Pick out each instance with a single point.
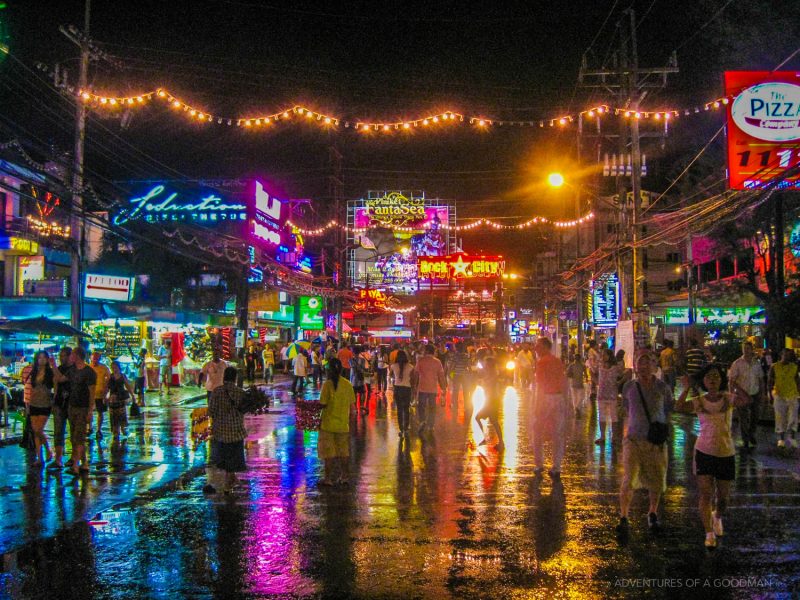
(144, 206)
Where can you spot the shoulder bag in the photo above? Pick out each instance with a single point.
(657, 432)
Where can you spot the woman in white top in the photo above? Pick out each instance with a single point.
(401, 377)
(609, 373)
(714, 452)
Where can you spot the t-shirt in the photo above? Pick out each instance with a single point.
(785, 379)
(300, 365)
(358, 365)
(715, 437)
(345, 354)
(164, 357)
(405, 380)
(63, 389)
(81, 380)
(268, 356)
(667, 359)
(549, 375)
(103, 375)
(213, 373)
(659, 401)
(695, 360)
(430, 372)
(336, 403)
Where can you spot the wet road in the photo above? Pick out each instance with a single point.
(440, 517)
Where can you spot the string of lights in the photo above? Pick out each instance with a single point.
(305, 114)
(481, 222)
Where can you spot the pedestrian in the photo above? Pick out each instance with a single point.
(119, 391)
(345, 355)
(213, 372)
(61, 406)
(268, 356)
(333, 445)
(428, 375)
(165, 366)
(523, 363)
(714, 452)
(284, 354)
(316, 366)
(609, 374)
(594, 359)
(357, 374)
(400, 374)
(42, 381)
(141, 375)
(300, 372)
(103, 374)
(647, 402)
(492, 399)
(82, 380)
(575, 373)
(250, 363)
(382, 369)
(369, 371)
(460, 364)
(695, 359)
(668, 361)
(550, 407)
(784, 382)
(227, 428)
(746, 374)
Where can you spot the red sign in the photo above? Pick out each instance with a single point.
(763, 127)
(460, 266)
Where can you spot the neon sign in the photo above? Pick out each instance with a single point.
(605, 301)
(157, 206)
(374, 301)
(460, 266)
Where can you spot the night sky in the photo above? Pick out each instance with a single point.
(377, 61)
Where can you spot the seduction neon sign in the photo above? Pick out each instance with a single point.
(156, 206)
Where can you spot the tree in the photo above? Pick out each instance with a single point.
(762, 230)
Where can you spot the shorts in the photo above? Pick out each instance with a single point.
(37, 411)
(333, 445)
(718, 467)
(644, 465)
(165, 371)
(119, 417)
(101, 405)
(230, 456)
(78, 420)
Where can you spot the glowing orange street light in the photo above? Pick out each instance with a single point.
(555, 180)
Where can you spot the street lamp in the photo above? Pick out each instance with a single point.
(556, 180)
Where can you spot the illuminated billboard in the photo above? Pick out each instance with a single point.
(605, 301)
(763, 127)
(460, 266)
(199, 206)
(392, 230)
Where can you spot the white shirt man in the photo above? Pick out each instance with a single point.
(746, 372)
(300, 365)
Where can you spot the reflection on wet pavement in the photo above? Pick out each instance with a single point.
(439, 516)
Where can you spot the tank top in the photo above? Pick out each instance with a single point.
(785, 384)
(40, 393)
(715, 437)
(116, 388)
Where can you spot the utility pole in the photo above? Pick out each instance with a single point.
(630, 85)
(336, 191)
(78, 224)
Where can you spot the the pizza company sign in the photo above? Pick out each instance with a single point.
(769, 111)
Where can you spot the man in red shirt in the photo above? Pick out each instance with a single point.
(429, 376)
(344, 355)
(549, 409)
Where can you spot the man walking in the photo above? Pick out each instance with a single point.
(82, 381)
(300, 372)
(429, 375)
(345, 355)
(103, 374)
(460, 366)
(784, 382)
(746, 375)
(695, 361)
(668, 362)
(549, 408)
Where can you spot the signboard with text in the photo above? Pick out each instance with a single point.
(310, 312)
(460, 266)
(763, 127)
(199, 206)
(605, 301)
(108, 287)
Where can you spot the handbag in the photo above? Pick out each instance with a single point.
(27, 440)
(657, 433)
(135, 410)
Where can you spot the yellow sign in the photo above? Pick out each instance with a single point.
(395, 210)
(14, 246)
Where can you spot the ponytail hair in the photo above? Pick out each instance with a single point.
(402, 360)
(334, 371)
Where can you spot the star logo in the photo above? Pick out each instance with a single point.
(460, 267)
